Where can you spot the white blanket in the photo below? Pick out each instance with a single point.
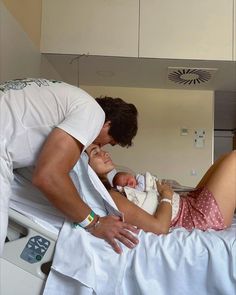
(181, 262)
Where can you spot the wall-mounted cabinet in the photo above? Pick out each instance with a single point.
(97, 27)
(186, 29)
(183, 29)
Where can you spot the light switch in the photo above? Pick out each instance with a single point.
(183, 131)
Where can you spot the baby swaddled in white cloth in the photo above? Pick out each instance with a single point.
(142, 191)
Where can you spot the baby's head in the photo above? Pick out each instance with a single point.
(124, 179)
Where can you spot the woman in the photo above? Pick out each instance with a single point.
(210, 205)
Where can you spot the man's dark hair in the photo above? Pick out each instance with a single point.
(123, 117)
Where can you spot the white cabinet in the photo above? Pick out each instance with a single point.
(180, 29)
(97, 27)
(186, 29)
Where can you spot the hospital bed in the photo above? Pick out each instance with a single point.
(180, 263)
(197, 254)
(194, 255)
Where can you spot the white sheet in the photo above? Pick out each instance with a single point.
(181, 262)
(29, 201)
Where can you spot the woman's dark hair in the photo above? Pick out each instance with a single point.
(106, 183)
(123, 118)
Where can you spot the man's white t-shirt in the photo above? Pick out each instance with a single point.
(31, 108)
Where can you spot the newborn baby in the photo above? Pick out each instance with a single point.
(140, 182)
(141, 189)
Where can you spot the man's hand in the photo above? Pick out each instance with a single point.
(111, 228)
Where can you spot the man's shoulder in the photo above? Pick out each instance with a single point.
(27, 83)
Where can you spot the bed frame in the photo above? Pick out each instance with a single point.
(30, 248)
(26, 259)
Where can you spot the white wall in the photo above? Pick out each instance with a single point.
(47, 70)
(19, 56)
(159, 147)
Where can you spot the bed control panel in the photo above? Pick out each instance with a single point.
(35, 249)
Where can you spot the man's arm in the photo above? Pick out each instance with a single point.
(58, 156)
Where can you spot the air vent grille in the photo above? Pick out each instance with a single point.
(190, 76)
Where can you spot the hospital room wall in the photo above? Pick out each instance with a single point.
(20, 23)
(159, 146)
(19, 55)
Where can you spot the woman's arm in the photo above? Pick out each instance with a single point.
(159, 223)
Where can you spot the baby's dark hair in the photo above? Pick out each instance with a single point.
(123, 118)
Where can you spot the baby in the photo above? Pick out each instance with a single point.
(122, 179)
(141, 189)
(140, 182)
(144, 182)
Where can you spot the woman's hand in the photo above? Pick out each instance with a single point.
(164, 190)
(111, 228)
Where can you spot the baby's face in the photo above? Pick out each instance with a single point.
(132, 182)
(126, 180)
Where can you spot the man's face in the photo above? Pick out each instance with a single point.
(104, 138)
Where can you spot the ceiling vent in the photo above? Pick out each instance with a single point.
(190, 76)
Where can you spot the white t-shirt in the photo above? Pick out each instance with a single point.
(31, 108)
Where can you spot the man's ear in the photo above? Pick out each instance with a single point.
(107, 124)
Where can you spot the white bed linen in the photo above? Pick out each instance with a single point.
(179, 263)
(29, 201)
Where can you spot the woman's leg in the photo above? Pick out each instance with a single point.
(221, 181)
(210, 171)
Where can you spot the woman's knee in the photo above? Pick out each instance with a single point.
(232, 155)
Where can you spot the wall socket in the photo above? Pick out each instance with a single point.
(199, 138)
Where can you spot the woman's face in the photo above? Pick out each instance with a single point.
(99, 160)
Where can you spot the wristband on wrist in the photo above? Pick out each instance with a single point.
(94, 225)
(166, 200)
(86, 222)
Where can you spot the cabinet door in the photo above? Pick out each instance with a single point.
(186, 29)
(97, 27)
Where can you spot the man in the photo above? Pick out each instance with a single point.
(49, 124)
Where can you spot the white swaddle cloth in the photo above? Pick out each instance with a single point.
(146, 195)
